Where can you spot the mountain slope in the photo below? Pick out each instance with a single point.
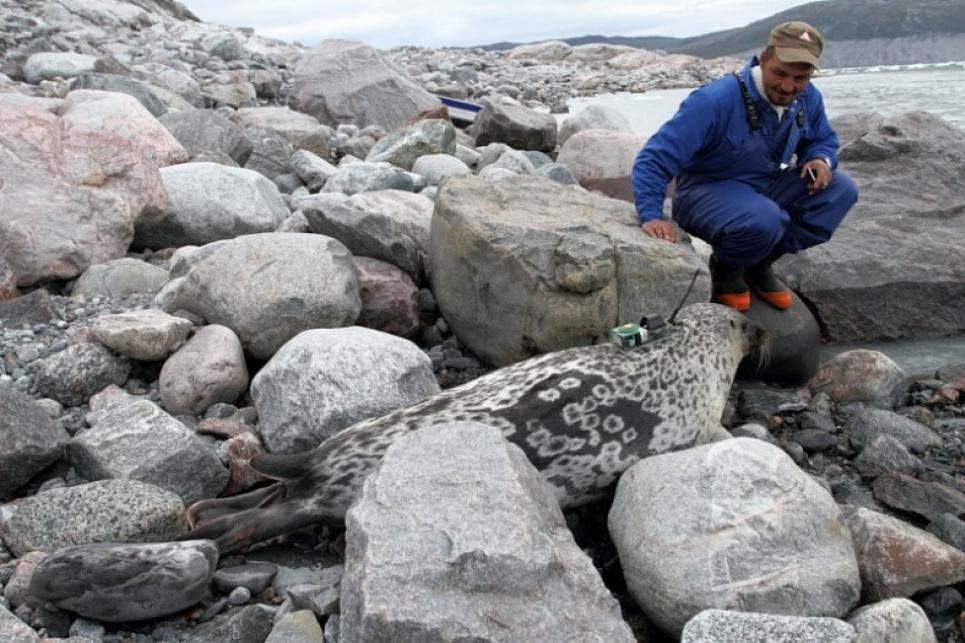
(858, 32)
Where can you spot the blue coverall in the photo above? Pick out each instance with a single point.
(736, 189)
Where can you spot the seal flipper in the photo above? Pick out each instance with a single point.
(284, 467)
(234, 531)
(205, 511)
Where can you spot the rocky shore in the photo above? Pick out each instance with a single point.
(214, 245)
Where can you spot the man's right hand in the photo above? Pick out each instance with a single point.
(660, 229)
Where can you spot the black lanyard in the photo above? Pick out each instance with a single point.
(753, 116)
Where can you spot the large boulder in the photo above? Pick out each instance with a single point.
(390, 225)
(346, 82)
(525, 266)
(404, 147)
(594, 117)
(210, 202)
(771, 539)
(912, 180)
(517, 126)
(303, 131)
(75, 174)
(267, 288)
(601, 160)
(202, 130)
(323, 381)
(486, 556)
(114, 83)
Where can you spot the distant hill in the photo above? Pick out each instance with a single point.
(858, 33)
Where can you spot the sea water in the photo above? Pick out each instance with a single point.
(939, 89)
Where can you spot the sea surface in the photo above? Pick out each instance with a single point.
(939, 89)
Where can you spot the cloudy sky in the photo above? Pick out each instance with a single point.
(389, 23)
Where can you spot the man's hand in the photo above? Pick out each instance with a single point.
(822, 174)
(660, 229)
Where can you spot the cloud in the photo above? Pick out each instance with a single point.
(385, 24)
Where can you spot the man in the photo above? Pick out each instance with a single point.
(755, 160)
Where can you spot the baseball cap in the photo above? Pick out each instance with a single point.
(796, 42)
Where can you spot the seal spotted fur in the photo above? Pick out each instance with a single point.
(582, 416)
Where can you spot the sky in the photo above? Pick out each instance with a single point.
(384, 24)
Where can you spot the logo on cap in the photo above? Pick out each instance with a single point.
(805, 36)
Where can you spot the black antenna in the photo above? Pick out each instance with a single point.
(686, 294)
(753, 118)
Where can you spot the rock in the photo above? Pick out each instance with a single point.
(239, 451)
(895, 620)
(602, 160)
(17, 588)
(341, 81)
(598, 117)
(323, 381)
(489, 550)
(791, 357)
(910, 213)
(898, 560)
(239, 287)
(390, 299)
(209, 369)
(124, 583)
(76, 176)
(147, 335)
(210, 202)
(949, 529)
(178, 89)
(860, 376)
(271, 154)
(312, 169)
(248, 624)
(114, 83)
(120, 511)
(883, 454)
(202, 130)
(120, 278)
(519, 127)
(13, 630)
(720, 626)
(303, 131)
(548, 51)
(256, 577)
(33, 308)
(868, 423)
(369, 177)
(389, 225)
(436, 167)
(51, 64)
(557, 172)
(297, 627)
(929, 500)
(569, 266)
(72, 376)
(772, 539)
(30, 440)
(403, 147)
(134, 439)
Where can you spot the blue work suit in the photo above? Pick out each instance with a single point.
(738, 188)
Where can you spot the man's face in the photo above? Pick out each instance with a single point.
(784, 81)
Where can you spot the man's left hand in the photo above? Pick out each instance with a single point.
(822, 173)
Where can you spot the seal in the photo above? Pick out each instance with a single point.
(582, 416)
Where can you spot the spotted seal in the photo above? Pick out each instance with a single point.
(582, 416)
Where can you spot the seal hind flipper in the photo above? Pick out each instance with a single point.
(240, 529)
(283, 467)
(205, 511)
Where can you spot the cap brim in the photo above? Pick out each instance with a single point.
(796, 55)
